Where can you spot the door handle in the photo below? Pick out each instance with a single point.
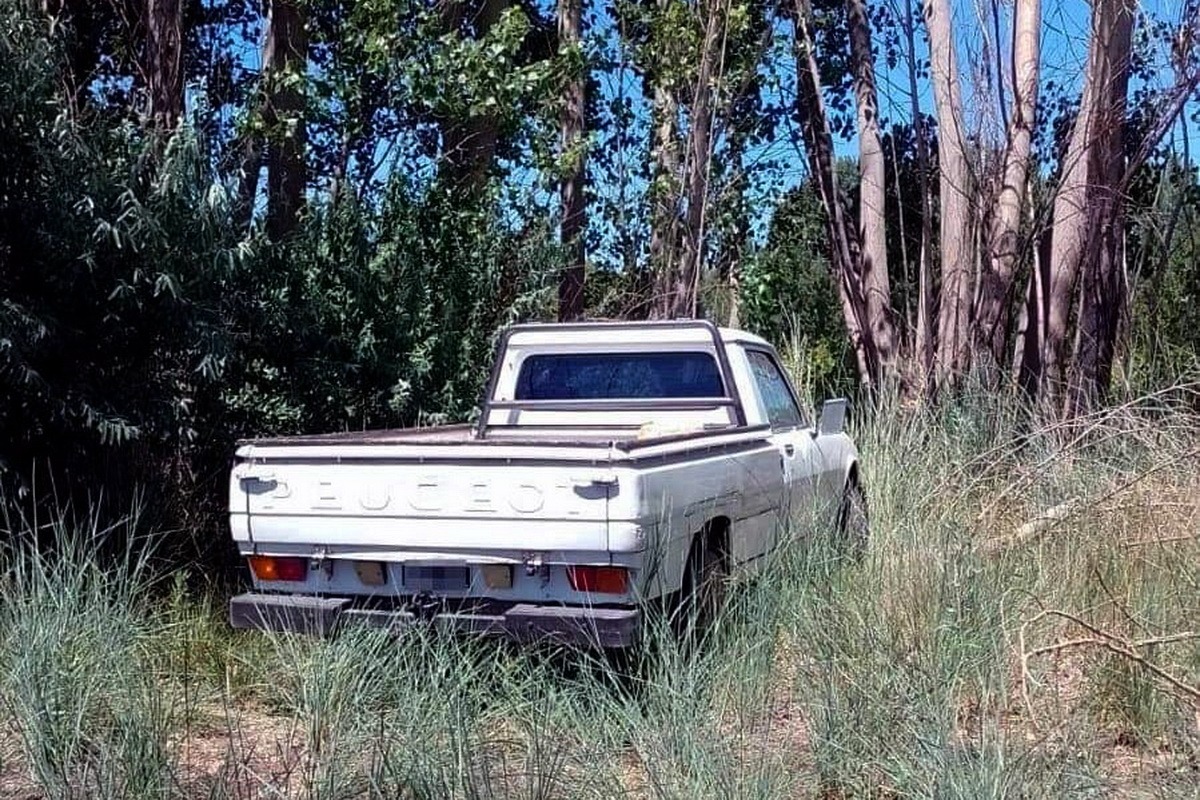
(789, 450)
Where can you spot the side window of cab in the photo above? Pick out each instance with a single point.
(773, 388)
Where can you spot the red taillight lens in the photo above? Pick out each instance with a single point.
(291, 569)
(599, 580)
(276, 568)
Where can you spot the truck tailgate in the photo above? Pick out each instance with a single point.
(406, 504)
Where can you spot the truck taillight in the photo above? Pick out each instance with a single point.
(599, 580)
(278, 568)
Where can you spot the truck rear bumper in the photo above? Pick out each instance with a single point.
(591, 626)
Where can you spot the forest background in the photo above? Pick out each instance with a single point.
(222, 219)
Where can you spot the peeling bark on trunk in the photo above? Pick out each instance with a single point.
(1027, 355)
(818, 144)
(164, 63)
(285, 59)
(872, 221)
(1004, 245)
(571, 187)
(957, 259)
(1077, 218)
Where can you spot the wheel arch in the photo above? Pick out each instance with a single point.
(714, 535)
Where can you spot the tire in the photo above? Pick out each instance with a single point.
(853, 528)
(704, 589)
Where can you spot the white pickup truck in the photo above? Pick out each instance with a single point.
(612, 465)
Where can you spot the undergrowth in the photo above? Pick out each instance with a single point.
(1023, 624)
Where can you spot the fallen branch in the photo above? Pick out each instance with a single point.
(1126, 648)
(1034, 527)
(1066, 510)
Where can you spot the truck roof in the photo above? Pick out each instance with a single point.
(627, 332)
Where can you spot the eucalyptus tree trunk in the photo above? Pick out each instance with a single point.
(248, 153)
(729, 261)
(285, 59)
(1031, 331)
(872, 221)
(698, 165)
(957, 253)
(1003, 240)
(843, 245)
(571, 186)
(1077, 206)
(164, 63)
(665, 247)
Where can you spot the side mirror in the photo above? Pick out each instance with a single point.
(833, 416)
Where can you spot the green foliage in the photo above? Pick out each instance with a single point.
(1164, 254)
(787, 294)
(398, 72)
(371, 319)
(141, 332)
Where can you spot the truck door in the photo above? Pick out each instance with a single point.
(789, 433)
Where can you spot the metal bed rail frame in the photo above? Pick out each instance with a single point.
(731, 398)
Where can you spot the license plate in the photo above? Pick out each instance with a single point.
(436, 579)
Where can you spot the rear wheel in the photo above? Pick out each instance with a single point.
(854, 528)
(705, 585)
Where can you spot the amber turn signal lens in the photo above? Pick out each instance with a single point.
(276, 568)
(599, 580)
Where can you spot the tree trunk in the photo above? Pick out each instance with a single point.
(665, 189)
(1003, 244)
(164, 63)
(285, 59)
(1103, 289)
(250, 160)
(1077, 219)
(737, 235)
(1028, 349)
(698, 167)
(818, 144)
(953, 346)
(872, 224)
(664, 199)
(571, 187)
(925, 339)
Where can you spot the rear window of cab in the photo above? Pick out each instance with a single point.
(619, 376)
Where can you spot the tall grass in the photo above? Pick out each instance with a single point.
(78, 686)
(1021, 625)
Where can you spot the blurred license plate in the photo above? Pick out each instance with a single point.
(371, 573)
(433, 579)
